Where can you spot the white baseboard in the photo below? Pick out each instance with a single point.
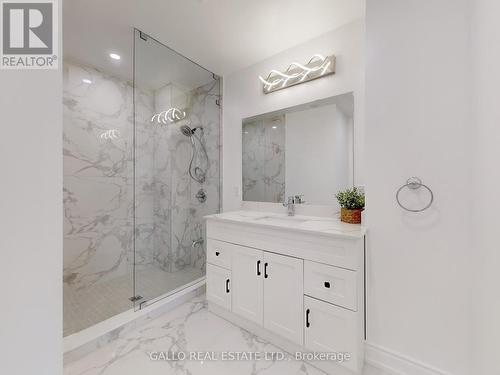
(394, 363)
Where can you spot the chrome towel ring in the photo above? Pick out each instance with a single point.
(414, 183)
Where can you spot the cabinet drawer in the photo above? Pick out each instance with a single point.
(219, 253)
(219, 286)
(331, 329)
(331, 284)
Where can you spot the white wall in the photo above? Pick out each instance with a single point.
(418, 124)
(486, 60)
(31, 222)
(323, 170)
(243, 96)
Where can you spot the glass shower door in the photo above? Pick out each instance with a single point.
(176, 168)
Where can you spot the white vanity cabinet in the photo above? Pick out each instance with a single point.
(300, 286)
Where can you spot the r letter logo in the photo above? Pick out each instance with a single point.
(29, 35)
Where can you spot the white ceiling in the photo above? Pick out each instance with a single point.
(221, 35)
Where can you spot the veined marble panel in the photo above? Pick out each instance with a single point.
(98, 192)
(90, 111)
(178, 214)
(92, 197)
(95, 250)
(264, 160)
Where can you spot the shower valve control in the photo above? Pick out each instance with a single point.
(201, 195)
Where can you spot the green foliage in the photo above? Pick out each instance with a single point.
(351, 199)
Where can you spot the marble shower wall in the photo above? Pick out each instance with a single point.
(98, 178)
(264, 159)
(97, 149)
(178, 214)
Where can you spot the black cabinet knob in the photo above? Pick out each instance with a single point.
(327, 284)
(217, 253)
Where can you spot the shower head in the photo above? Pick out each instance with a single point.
(188, 132)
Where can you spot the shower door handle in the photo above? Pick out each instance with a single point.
(227, 285)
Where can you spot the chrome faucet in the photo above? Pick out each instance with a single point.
(291, 201)
(290, 205)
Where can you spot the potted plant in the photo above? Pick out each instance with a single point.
(352, 202)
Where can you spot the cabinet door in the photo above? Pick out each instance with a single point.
(283, 296)
(219, 286)
(330, 328)
(247, 270)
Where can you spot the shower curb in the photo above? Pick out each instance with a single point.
(80, 344)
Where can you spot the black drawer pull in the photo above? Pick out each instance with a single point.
(227, 285)
(265, 271)
(327, 284)
(217, 253)
(307, 318)
(258, 268)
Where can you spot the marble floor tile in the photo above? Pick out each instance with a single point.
(190, 327)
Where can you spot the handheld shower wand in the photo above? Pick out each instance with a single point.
(197, 174)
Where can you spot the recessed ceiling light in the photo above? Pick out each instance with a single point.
(86, 80)
(274, 127)
(114, 56)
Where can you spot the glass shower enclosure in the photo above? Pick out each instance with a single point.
(141, 169)
(176, 167)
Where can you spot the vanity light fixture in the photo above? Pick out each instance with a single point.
(86, 80)
(170, 115)
(317, 67)
(115, 56)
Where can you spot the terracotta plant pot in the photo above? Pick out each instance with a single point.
(350, 216)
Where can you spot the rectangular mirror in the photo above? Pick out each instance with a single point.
(303, 150)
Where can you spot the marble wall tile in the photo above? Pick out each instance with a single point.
(98, 170)
(90, 110)
(145, 246)
(172, 160)
(264, 160)
(97, 196)
(95, 250)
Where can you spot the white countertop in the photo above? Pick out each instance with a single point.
(301, 223)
